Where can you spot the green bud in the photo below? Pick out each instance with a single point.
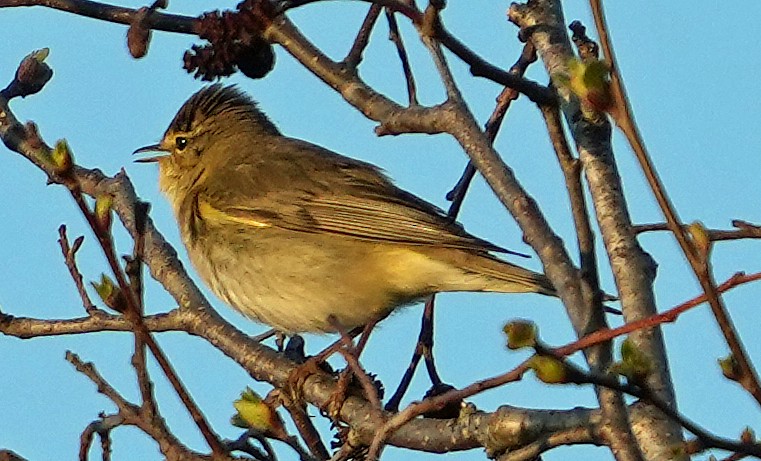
(633, 358)
(634, 365)
(589, 81)
(700, 238)
(748, 436)
(103, 205)
(61, 157)
(729, 368)
(253, 412)
(110, 293)
(520, 334)
(549, 369)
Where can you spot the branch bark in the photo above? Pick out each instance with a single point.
(634, 270)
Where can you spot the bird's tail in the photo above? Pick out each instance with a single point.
(508, 278)
(484, 272)
(504, 277)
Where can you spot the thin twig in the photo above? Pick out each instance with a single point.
(605, 335)
(424, 345)
(396, 37)
(304, 425)
(188, 25)
(708, 439)
(88, 369)
(243, 444)
(504, 100)
(133, 313)
(744, 231)
(571, 168)
(132, 414)
(354, 56)
(351, 355)
(144, 382)
(601, 336)
(102, 427)
(134, 272)
(111, 13)
(435, 403)
(70, 255)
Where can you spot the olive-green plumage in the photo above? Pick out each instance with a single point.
(290, 233)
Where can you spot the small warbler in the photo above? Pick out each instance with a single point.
(299, 237)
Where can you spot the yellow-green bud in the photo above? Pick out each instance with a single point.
(103, 205)
(110, 293)
(61, 157)
(700, 238)
(520, 334)
(729, 368)
(634, 365)
(549, 369)
(253, 412)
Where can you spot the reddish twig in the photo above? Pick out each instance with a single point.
(604, 335)
(351, 355)
(600, 336)
(305, 426)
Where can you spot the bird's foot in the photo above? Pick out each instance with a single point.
(298, 377)
(338, 397)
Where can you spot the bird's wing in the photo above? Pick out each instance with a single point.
(345, 197)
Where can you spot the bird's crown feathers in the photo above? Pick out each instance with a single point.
(219, 102)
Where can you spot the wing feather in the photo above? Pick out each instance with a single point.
(310, 189)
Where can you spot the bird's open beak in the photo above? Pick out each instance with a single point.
(151, 148)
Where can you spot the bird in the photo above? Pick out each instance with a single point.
(303, 239)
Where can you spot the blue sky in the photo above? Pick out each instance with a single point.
(691, 72)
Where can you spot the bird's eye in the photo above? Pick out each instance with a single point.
(181, 142)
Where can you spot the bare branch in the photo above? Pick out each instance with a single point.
(354, 56)
(396, 37)
(110, 13)
(102, 427)
(69, 254)
(744, 230)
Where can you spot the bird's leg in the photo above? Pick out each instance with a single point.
(424, 349)
(317, 363)
(280, 338)
(351, 355)
(294, 350)
(264, 336)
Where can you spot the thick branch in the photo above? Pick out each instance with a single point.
(633, 269)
